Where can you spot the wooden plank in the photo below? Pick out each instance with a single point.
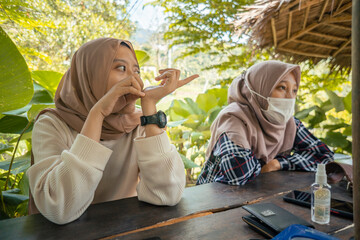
(229, 224)
(341, 48)
(355, 63)
(115, 217)
(306, 16)
(332, 37)
(323, 10)
(273, 28)
(309, 54)
(222, 225)
(315, 44)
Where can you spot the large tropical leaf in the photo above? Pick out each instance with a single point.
(142, 57)
(16, 88)
(13, 124)
(47, 79)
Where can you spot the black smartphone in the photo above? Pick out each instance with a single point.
(337, 207)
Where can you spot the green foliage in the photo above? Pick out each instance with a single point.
(189, 126)
(13, 68)
(49, 32)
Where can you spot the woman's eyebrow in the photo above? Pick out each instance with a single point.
(124, 61)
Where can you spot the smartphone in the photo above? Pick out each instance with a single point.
(337, 207)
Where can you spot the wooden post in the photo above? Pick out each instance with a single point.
(355, 63)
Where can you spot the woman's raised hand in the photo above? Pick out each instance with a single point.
(131, 88)
(170, 81)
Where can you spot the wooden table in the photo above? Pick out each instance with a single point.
(210, 211)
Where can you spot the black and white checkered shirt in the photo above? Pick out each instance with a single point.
(234, 165)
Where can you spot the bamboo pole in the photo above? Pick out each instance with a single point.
(323, 10)
(355, 63)
(273, 28)
(302, 52)
(332, 37)
(316, 44)
(341, 47)
(306, 16)
(289, 25)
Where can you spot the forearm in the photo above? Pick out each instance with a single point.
(162, 175)
(93, 125)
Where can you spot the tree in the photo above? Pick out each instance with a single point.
(48, 32)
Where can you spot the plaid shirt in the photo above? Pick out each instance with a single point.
(234, 165)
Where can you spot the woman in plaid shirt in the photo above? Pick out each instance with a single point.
(257, 132)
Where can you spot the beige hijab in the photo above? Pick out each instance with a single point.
(243, 121)
(85, 83)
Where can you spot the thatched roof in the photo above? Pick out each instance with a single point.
(304, 29)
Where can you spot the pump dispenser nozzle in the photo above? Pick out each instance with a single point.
(321, 177)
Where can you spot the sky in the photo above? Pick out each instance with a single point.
(148, 17)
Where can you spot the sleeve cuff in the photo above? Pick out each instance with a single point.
(284, 163)
(147, 146)
(91, 151)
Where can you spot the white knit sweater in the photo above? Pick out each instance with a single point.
(72, 171)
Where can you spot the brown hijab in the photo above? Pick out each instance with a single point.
(243, 121)
(85, 83)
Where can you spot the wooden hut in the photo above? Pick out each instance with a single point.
(302, 29)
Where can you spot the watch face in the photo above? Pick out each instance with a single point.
(162, 119)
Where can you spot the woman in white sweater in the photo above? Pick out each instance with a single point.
(91, 148)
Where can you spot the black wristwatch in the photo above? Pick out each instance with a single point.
(158, 118)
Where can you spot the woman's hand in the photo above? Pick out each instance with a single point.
(130, 88)
(271, 166)
(169, 78)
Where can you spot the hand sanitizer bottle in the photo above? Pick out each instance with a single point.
(320, 197)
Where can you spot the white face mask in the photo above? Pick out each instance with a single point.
(280, 110)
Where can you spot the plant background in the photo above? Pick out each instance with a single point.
(38, 39)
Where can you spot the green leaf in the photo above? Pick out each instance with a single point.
(16, 88)
(213, 114)
(176, 123)
(20, 164)
(47, 79)
(188, 163)
(206, 101)
(193, 106)
(24, 185)
(193, 121)
(142, 57)
(304, 113)
(14, 199)
(180, 108)
(347, 102)
(336, 139)
(336, 100)
(12, 124)
(348, 131)
(5, 147)
(220, 94)
(41, 97)
(36, 109)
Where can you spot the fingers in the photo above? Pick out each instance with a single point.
(187, 80)
(137, 77)
(131, 90)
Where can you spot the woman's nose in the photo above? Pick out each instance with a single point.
(290, 94)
